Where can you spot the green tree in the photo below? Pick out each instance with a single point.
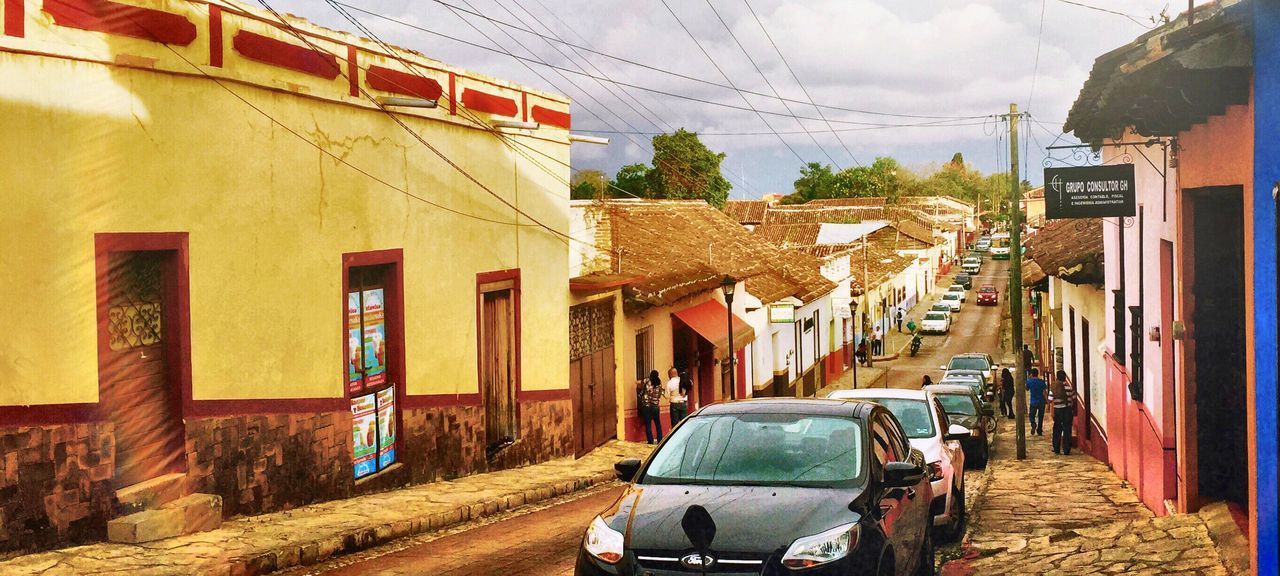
(588, 184)
(684, 168)
(631, 181)
(815, 181)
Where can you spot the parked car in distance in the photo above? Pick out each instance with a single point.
(930, 431)
(953, 300)
(974, 361)
(856, 495)
(988, 295)
(984, 388)
(963, 408)
(940, 307)
(936, 323)
(983, 244)
(961, 290)
(971, 264)
(965, 279)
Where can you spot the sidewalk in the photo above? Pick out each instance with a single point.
(262, 544)
(1052, 514)
(867, 378)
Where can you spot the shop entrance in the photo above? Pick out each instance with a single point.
(370, 382)
(1218, 323)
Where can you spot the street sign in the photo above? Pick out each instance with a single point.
(782, 313)
(1089, 192)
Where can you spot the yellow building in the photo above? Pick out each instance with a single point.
(231, 270)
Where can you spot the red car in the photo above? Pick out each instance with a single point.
(988, 296)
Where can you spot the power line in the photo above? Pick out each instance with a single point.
(797, 132)
(1036, 71)
(799, 83)
(645, 66)
(1131, 18)
(768, 83)
(731, 85)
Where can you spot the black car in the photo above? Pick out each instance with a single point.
(813, 487)
(963, 407)
(965, 279)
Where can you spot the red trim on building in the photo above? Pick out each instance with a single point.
(553, 117)
(453, 94)
(441, 400)
(215, 35)
(524, 106)
(46, 414)
(353, 72)
(268, 50)
(542, 395)
(206, 408)
(395, 81)
(491, 103)
(14, 18)
(122, 19)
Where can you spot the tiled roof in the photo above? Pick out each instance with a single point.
(809, 214)
(1069, 249)
(681, 248)
(832, 202)
(746, 211)
(788, 235)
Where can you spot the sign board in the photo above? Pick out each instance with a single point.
(782, 313)
(1089, 192)
(840, 307)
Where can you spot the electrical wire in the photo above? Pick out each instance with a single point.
(731, 84)
(653, 68)
(1131, 18)
(769, 83)
(1035, 72)
(799, 83)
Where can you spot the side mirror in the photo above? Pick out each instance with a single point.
(988, 411)
(902, 475)
(627, 469)
(957, 432)
(943, 367)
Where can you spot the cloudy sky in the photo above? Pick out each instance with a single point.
(876, 67)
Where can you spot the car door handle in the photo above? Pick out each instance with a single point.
(911, 493)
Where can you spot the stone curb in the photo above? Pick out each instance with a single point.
(308, 552)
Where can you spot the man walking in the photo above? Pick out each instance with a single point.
(900, 317)
(1064, 408)
(1028, 360)
(1036, 388)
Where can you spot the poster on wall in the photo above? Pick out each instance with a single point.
(375, 336)
(364, 434)
(386, 427)
(355, 351)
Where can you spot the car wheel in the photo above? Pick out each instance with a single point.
(986, 456)
(927, 557)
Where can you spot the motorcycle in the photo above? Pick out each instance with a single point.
(916, 340)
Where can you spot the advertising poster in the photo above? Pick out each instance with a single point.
(386, 427)
(355, 351)
(364, 424)
(375, 335)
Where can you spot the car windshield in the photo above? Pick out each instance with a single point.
(958, 404)
(969, 363)
(760, 449)
(912, 414)
(935, 316)
(987, 289)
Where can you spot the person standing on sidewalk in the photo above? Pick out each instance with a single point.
(1006, 393)
(901, 315)
(649, 395)
(1028, 360)
(1036, 388)
(1063, 395)
(877, 342)
(678, 396)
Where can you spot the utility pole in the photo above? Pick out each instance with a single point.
(1015, 283)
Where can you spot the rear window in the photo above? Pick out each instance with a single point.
(951, 296)
(760, 449)
(912, 414)
(935, 316)
(972, 363)
(958, 404)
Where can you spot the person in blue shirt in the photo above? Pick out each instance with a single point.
(1036, 388)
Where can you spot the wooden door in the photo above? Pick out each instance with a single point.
(498, 359)
(1083, 384)
(138, 395)
(591, 373)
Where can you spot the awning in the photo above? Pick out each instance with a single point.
(710, 320)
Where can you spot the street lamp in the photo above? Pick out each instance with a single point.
(853, 319)
(727, 286)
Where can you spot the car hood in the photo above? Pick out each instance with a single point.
(748, 519)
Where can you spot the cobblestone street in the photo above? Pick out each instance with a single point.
(1052, 514)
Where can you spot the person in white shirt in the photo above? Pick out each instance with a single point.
(678, 395)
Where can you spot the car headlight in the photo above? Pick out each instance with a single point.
(603, 542)
(935, 471)
(819, 549)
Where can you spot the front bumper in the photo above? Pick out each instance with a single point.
(857, 563)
